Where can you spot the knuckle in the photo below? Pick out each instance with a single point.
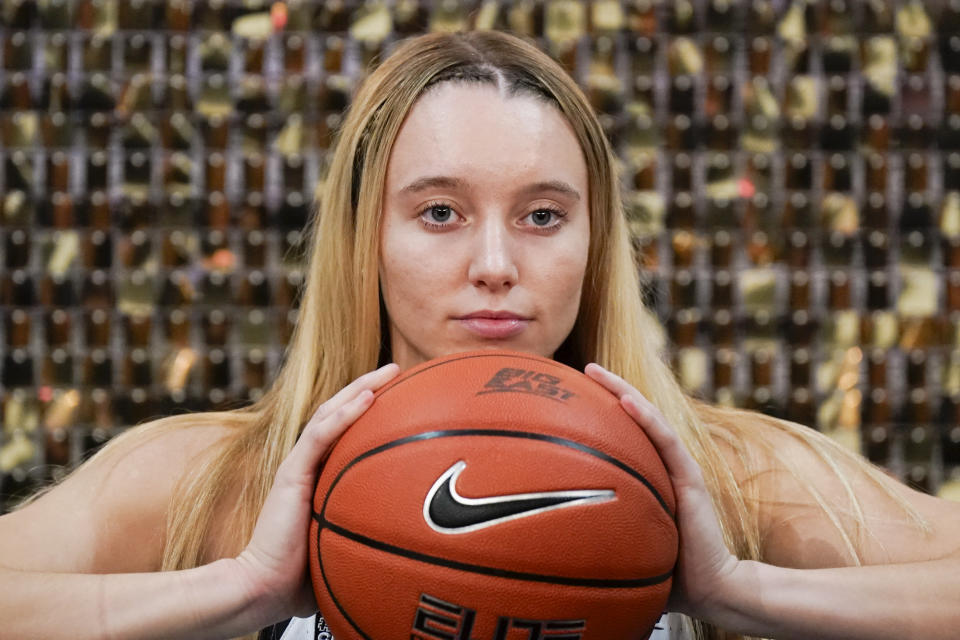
(322, 412)
(316, 437)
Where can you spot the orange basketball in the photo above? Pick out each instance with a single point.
(493, 495)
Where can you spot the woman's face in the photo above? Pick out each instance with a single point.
(485, 226)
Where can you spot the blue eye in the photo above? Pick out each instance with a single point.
(440, 216)
(439, 213)
(546, 219)
(542, 218)
(437, 216)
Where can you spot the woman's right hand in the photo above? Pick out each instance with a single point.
(274, 564)
(705, 564)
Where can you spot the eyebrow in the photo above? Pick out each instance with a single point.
(428, 182)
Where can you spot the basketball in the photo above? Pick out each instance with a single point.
(493, 495)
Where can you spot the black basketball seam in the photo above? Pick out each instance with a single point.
(323, 574)
(545, 361)
(429, 435)
(604, 583)
(323, 523)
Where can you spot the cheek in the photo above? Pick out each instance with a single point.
(396, 276)
(575, 266)
(564, 282)
(408, 276)
(572, 283)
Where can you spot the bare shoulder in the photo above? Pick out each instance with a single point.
(110, 514)
(816, 502)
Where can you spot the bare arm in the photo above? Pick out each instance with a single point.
(908, 586)
(212, 601)
(911, 588)
(82, 561)
(914, 600)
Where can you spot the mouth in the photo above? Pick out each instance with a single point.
(493, 315)
(494, 325)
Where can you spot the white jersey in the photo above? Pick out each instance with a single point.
(668, 628)
(306, 629)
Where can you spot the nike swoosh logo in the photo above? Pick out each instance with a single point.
(446, 511)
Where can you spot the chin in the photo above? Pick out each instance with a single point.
(424, 355)
(508, 346)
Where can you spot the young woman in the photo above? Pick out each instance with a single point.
(472, 202)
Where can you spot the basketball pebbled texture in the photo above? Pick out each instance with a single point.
(493, 495)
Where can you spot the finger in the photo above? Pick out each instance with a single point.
(621, 388)
(611, 381)
(680, 464)
(319, 435)
(671, 449)
(371, 380)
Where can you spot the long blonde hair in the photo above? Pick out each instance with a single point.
(339, 331)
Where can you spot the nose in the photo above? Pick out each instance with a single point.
(493, 265)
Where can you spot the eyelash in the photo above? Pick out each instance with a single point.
(559, 215)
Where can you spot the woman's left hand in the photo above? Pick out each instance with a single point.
(705, 564)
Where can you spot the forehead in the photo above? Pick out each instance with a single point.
(472, 132)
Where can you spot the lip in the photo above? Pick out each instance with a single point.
(493, 315)
(494, 324)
